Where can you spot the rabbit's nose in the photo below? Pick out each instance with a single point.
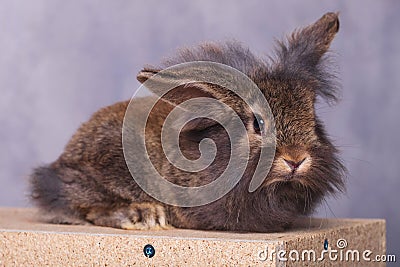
(293, 165)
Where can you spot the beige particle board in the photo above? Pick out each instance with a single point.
(24, 241)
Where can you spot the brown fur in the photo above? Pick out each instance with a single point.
(90, 181)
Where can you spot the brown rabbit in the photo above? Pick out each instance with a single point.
(90, 182)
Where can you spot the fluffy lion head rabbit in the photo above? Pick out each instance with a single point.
(90, 183)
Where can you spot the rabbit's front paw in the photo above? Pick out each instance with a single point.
(136, 216)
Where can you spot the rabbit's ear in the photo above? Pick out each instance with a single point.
(181, 89)
(146, 73)
(306, 46)
(180, 92)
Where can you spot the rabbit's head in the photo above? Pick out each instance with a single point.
(305, 166)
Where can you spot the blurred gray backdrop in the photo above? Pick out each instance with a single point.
(62, 60)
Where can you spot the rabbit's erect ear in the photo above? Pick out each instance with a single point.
(306, 46)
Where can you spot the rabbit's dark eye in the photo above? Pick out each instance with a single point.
(258, 124)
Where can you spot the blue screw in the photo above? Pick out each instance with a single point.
(326, 244)
(149, 251)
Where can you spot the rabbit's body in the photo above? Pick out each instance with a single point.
(90, 182)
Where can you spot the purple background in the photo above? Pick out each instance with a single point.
(62, 60)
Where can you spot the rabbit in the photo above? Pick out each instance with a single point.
(90, 182)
